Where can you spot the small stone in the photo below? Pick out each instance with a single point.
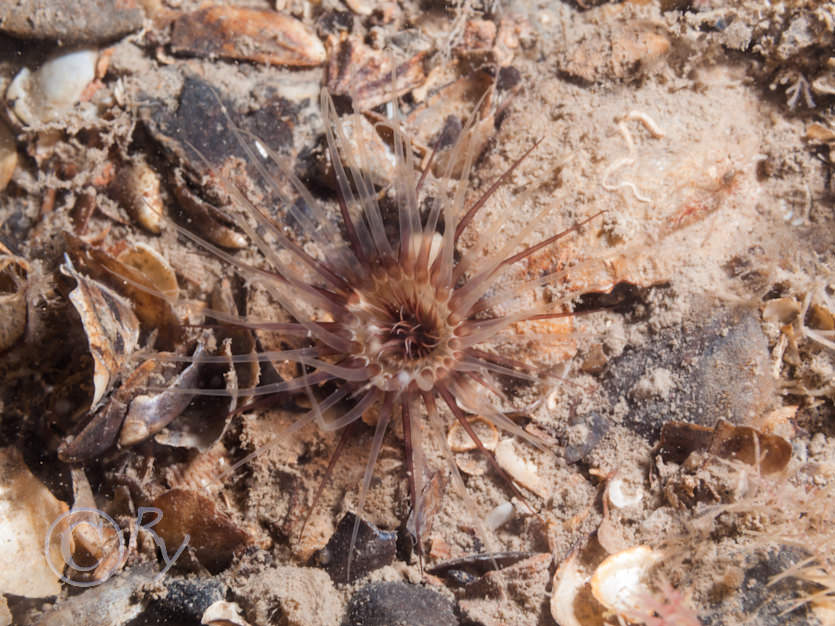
(214, 537)
(185, 601)
(373, 549)
(398, 604)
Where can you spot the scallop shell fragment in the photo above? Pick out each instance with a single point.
(620, 582)
(460, 441)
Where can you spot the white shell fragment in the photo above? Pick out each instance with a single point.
(499, 515)
(27, 511)
(781, 310)
(53, 89)
(568, 582)
(621, 496)
(367, 150)
(620, 582)
(522, 471)
(223, 613)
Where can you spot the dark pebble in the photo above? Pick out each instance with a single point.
(373, 549)
(762, 603)
(185, 601)
(597, 425)
(398, 604)
(508, 78)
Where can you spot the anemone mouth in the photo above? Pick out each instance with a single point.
(402, 331)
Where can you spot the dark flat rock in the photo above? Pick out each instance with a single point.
(398, 604)
(719, 370)
(373, 549)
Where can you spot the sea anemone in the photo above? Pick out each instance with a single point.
(387, 319)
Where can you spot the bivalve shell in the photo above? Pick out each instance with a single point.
(247, 34)
(53, 89)
(620, 582)
(152, 264)
(139, 191)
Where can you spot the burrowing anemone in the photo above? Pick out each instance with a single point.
(392, 321)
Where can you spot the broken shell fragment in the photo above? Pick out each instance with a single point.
(460, 441)
(152, 264)
(148, 415)
(365, 75)
(620, 582)
(100, 432)
(13, 273)
(204, 217)
(139, 192)
(190, 518)
(771, 453)
(367, 151)
(372, 549)
(247, 34)
(8, 155)
(472, 463)
(149, 305)
(27, 510)
(111, 327)
(619, 496)
(522, 471)
(568, 585)
(53, 89)
(223, 613)
(781, 310)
